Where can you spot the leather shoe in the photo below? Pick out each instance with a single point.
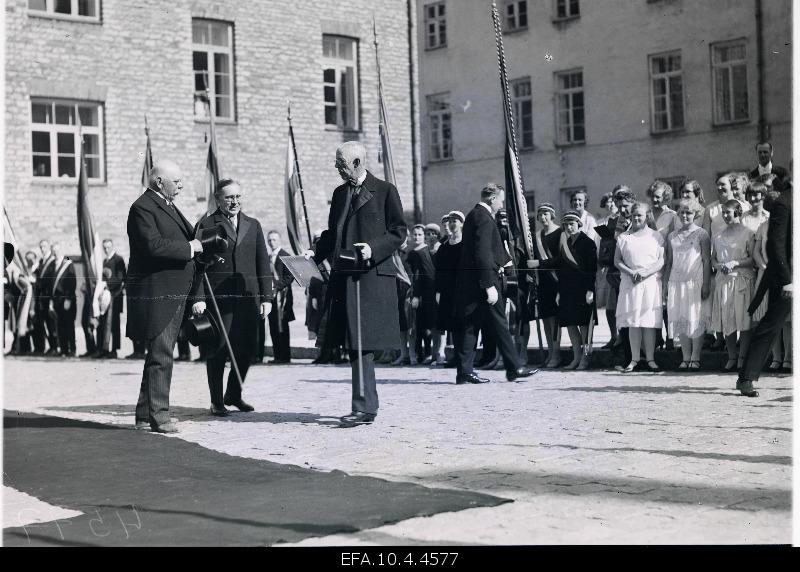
(241, 405)
(141, 425)
(515, 374)
(164, 428)
(470, 378)
(219, 410)
(746, 388)
(358, 418)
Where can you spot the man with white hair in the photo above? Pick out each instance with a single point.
(160, 275)
(366, 217)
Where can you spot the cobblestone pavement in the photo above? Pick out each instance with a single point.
(587, 457)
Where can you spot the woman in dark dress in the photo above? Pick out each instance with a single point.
(424, 293)
(446, 261)
(546, 253)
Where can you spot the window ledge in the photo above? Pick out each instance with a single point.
(573, 144)
(45, 182)
(65, 17)
(434, 48)
(565, 19)
(439, 161)
(515, 30)
(668, 132)
(737, 123)
(341, 129)
(526, 149)
(217, 121)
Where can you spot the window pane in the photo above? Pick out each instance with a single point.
(522, 19)
(723, 94)
(348, 100)
(65, 114)
(330, 94)
(330, 115)
(442, 33)
(574, 7)
(224, 109)
(199, 61)
(219, 34)
(222, 64)
(87, 7)
(66, 143)
(91, 144)
(37, 5)
(66, 166)
(561, 8)
(41, 113)
(431, 11)
(63, 6)
(92, 168)
(88, 115)
(41, 142)
(740, 98)
(345, 49)
(441, 9)
(328, 46)
(200, 32)
(577, 99)
(580, 133)
(659, 87)
(658, 66)
(41, 165)
(329, 75)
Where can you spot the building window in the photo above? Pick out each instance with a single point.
(56, 127)
(340, 81)
(729, 65)
(530, 202)
(516, 15)
(522, 103)
(566, 9)
(441, 142)
(212, 55)
(569, 107)
(435, 26)
(69, 9)
(666, 92)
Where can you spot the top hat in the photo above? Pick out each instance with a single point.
(202, 330)
(214, 241)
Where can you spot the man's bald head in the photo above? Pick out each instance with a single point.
(166, 177)
(350, 160)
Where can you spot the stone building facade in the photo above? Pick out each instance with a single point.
(111, 62)
(612, 92)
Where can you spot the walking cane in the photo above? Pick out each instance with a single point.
(358, 338)
(234, 365)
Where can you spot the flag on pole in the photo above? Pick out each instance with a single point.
(213, 171)
(148, 159)
(291, 190)
(89, 240)
(11, 238)
(383, 130)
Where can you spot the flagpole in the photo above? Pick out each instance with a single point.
(297, 168)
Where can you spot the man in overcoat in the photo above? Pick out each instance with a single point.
(366, 215)
(241, 281)
(160, 277)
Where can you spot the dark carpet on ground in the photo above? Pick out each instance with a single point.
(137, 488)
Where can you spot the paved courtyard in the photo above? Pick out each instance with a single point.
(585, 457)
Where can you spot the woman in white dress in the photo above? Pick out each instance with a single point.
(687, 275)
(732, 258)
(640, 258)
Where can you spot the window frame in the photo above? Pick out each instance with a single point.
(569, 15)
(339, 64)
(211, 50)
(716, 110)
(507, 28)
(78, 130)
(568, 91)
(440, 21)
(667, 76)
(516, 103)
(441, 114)
(73, 16)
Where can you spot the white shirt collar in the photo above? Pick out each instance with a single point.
(765, 170)
(487, 207)
(166, 200)
(361, 179)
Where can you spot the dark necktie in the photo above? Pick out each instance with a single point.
(356, 189)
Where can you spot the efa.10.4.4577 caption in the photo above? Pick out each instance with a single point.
(399, 559)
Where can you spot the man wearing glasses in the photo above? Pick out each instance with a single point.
(241, 281)
(160, 276)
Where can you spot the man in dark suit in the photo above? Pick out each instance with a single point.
(361, 307)
(38, 320)
(160, 277)
(766, 171)
(47, 273)
(283, 310)
(241, 282)
(114, 274)
(778, 281)
(479, 300)
(62, 300)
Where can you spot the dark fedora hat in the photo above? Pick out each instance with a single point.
(214, 241)
(202, 329)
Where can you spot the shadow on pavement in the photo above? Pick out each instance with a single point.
(656, 389)
(419, 381)
(769, 459)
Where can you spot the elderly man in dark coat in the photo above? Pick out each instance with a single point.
(160, 277)
(366, 214)
(241, 281)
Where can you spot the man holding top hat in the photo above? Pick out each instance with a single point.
(240, 278)
(160, 277)
(365, 226)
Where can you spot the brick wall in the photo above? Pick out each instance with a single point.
(139, 60)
